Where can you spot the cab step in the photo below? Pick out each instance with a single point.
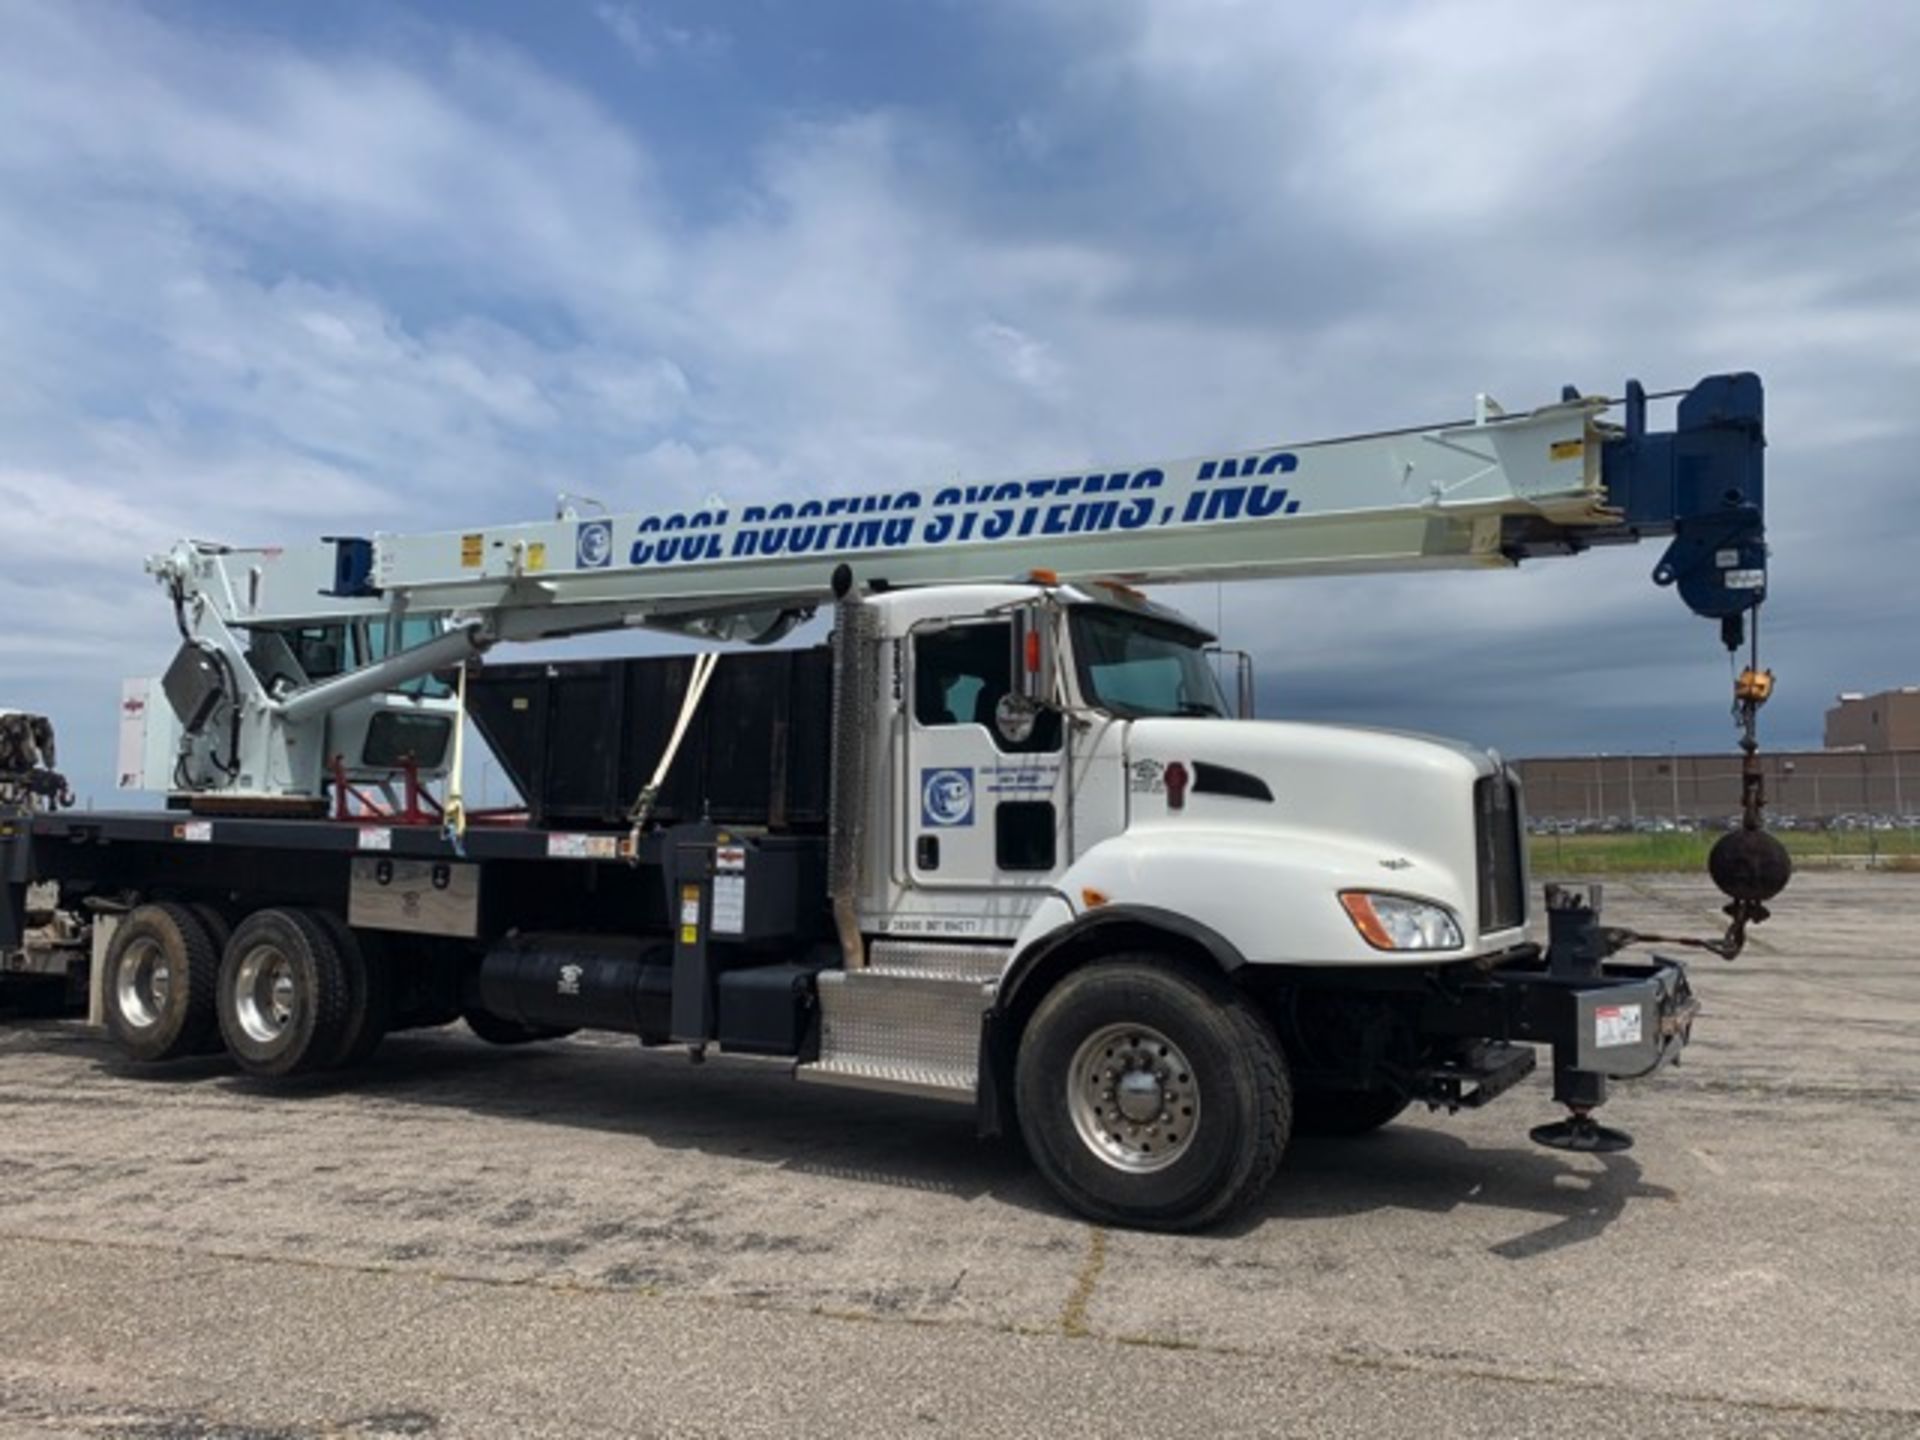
(911, 1033)
(1487, 1070)
(937, 960)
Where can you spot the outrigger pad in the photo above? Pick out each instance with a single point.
(1581, 1134)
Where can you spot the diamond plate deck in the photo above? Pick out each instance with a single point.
(938, 960)
(916, 1034)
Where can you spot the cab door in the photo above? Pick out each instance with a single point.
(985, 776)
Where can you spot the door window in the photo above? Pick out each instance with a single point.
(961, 676)
(1023, 835)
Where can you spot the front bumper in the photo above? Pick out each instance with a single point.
(1623, 1022)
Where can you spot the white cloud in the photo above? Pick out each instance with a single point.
(257, 292)
(646, 40)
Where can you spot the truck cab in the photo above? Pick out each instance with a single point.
(1054, 750)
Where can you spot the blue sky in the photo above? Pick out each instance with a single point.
(273, 271)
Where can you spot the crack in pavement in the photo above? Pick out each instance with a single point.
(1073, 1315)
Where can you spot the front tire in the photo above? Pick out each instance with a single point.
(1152, 1096)
(162, 971)
(284, 998)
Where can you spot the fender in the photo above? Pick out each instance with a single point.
(1107, 921)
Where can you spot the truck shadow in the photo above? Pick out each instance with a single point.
(1413, 1166)
(753, 1113)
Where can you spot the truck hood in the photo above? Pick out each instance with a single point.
(1400, 795)
(1288, 741)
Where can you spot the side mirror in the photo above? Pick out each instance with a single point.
(1033, 658)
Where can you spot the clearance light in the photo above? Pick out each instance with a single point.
(1044, 577)
(1394, 922)
(1091, 898)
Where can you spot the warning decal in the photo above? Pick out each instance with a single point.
(1616, 1025)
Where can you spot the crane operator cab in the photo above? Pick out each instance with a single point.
(184, 731)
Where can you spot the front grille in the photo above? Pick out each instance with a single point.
(1496, 845)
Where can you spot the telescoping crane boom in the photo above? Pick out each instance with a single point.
(1486, 492)
(998, 842)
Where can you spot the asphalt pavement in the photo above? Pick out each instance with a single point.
(585, 1238)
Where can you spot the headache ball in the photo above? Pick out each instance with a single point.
(1749, 865)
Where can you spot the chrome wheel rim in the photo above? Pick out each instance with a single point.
(144, 984)
(265, 999)
(1133, 1098)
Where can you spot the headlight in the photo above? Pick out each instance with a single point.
(1394, 922)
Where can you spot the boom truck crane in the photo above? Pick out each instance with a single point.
(998, 842)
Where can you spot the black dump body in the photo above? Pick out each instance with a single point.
(579, 739)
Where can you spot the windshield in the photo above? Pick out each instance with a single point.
(1136, 665)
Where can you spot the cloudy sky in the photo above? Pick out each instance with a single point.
(272, 271)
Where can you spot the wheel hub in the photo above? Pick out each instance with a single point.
(265, 998)
(146, 980)
(1133, 1098)
(1138, 1096)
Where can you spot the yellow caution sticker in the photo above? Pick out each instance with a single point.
(689, 934)
(537, 555)
(1567, 449)
(473, 549)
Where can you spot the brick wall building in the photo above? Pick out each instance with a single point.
(1887, 721)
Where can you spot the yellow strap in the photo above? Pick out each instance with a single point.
(453, 818)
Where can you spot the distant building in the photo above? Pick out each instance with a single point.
(1887, 721)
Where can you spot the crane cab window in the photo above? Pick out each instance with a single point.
(319, 650)
(961, 675)
(409, 632)
(291, 656)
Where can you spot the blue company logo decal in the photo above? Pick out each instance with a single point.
(946, 796)
(593, 545)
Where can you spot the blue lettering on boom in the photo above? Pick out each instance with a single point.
(1091, 504)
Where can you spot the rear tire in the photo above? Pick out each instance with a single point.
(283, 994)
(369, 989)
(162, 972)
(215, 922)
(219, 927)
(1152, 1096)
(1344, 1112)
(495, 1031)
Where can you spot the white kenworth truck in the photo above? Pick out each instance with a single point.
(1002, 841)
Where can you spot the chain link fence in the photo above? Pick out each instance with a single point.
(1843, 807)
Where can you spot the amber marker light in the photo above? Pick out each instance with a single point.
(1359, 907)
